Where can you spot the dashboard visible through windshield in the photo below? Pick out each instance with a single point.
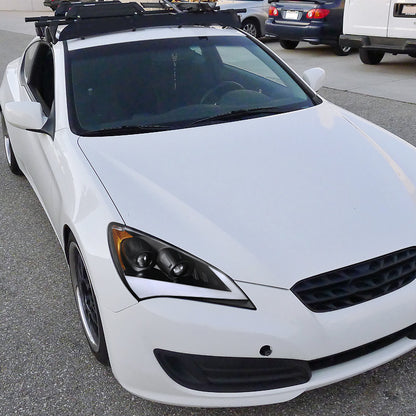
(156, 85)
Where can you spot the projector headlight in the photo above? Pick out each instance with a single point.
(152, 268)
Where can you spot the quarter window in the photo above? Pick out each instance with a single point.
(38, 73)
(28, 60)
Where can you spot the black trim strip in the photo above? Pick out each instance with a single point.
(342, 357)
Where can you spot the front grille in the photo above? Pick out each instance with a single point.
(358, 283)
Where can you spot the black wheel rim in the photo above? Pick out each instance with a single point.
(85, 298)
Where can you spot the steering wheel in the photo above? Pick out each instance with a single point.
(215, 93)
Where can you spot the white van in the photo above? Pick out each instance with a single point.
(380, 26)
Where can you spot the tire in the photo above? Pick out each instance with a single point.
(341, 50)
(289, 44)
(252, 27)
(370, 57)
(412, 54)
(10, 157)
(86, 303)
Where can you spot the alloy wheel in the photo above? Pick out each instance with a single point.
(86, 302)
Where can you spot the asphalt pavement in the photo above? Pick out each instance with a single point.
(46, 368)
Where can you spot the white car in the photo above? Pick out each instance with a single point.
(254, 18)
(232, 238)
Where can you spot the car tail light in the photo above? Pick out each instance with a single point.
(273, 12)
(317, 13)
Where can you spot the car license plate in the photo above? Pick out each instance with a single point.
(292, 15)
(409, 9)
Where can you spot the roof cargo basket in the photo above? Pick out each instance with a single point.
(99, 10)
(97, 18)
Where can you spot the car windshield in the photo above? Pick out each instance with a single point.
(164, 84)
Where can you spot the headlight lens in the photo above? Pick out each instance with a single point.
(150, 267)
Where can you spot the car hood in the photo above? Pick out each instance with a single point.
(270, 200)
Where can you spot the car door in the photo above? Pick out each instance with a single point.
(36, 150)
(402, 22)
(366, 17)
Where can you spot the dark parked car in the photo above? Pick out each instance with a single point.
(313, 21)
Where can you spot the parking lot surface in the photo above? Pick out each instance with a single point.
(45, 364)
(394, 78)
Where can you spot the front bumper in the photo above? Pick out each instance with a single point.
(281, 321)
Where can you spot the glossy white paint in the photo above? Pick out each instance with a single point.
(268, 201)
(297, 194)
(66, 185)
(215, 330)
(25, 115)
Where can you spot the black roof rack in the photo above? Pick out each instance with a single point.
(97, 18)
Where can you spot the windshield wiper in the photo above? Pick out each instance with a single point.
(127, 129)
(236, 115)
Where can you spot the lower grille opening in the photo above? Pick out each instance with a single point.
(234, 375)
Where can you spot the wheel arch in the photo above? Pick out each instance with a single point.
(252, 17)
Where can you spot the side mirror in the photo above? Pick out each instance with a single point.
(314, 77)
(25, 115)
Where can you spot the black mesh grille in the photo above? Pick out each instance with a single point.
(357, 283)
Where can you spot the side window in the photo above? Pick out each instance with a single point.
(38, 74)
